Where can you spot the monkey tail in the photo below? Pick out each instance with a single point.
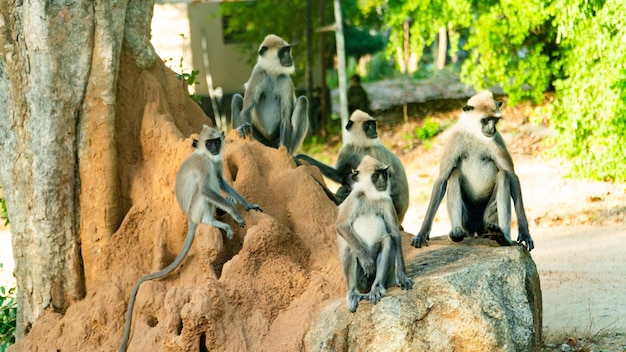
(191, 233)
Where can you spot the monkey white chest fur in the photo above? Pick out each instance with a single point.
(477, 172)
(478, 169)
(369, 237)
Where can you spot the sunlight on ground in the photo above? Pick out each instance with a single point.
(6, 258)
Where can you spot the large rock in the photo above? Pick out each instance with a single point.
(471, 296)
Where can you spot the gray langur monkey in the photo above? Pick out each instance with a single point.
(268, 108)
(369, 240)
(362, 139)
(198, 183)
(477, 170)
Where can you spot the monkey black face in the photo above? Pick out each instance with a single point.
(213, 145)
(489, 125)
(284, 56)
(369, 128)
(380, 178)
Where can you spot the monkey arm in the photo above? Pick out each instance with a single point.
(516, 195)
(285, 92)
(238, 197)
(221, 202)
(348, 160)
(391, 222)
(504, 162)
(346, 231)
(255, 88)
(326, 170)
(439, 190)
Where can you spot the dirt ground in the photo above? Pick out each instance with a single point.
(578, 226)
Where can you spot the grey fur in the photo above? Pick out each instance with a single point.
(364, 141)
(268, 110)
(477, 170)
(369, 240)
(198, 183)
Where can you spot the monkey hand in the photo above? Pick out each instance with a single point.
(377, 292)
(256, 207)
(237, 217)
(245, 129)
(525, 240)
(231, 200)
(405, 282)
(368, 265)
(229, 232)
(419, 240)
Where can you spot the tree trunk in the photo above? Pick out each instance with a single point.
(58, 74)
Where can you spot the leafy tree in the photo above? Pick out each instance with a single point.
(590, 110)
(248, 24)
(578, 47)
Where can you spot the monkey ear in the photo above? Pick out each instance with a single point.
(349, 125)
(355, 175)
(262, 50)
(194, 143)
(468, 108)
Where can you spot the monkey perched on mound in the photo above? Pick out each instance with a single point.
(362, 139)
(198, 183)
(477, 170)
(369, 241)
(268, 108)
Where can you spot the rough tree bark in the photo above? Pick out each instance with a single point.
(58, 75)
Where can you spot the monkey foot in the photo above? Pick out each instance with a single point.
(376, 293)
(418, 241)
(457, 234)
(496, 234)
(353, 299)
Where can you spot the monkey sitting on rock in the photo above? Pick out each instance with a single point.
(362, 139)
(268, 110)
(369, 241)
(477, 170)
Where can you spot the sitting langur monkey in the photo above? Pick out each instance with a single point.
(369, 237)
(362, 139)
(478, 172)
(268, 108)
(198, 183)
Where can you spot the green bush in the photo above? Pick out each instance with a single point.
(428, 131)
(8, 316)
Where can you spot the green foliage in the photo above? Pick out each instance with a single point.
(8, 316)
(428, 131)
(3, 211)
(379, 68)
(590, 113)
(248, 24)
(187, 78)
(578, 47)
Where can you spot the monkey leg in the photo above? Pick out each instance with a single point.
(457, 210)
(351, 271)
(299, 125)
(497, 216)
(385, 260)
(210, 220)
(236, 105)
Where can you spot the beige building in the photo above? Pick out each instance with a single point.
(179, 28)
